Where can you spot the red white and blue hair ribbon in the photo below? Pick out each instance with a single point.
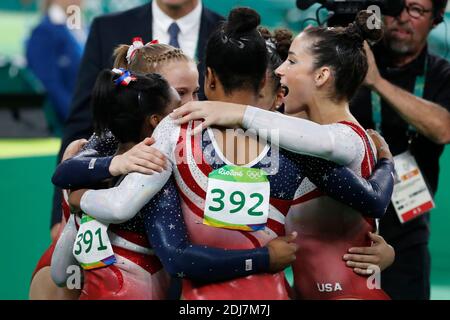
(137, 44)
(125, 77)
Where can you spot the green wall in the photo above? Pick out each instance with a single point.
(25, 200)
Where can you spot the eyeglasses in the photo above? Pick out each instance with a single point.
(416, 11)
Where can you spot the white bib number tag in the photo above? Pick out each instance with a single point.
(411, 197)
(92, 247)
(237, 198)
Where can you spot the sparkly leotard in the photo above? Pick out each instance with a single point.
(191, 176)
(138, 272)
(327, 228)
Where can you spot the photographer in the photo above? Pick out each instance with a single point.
(407, 97)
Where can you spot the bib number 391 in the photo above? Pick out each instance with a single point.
(237, 198)
(92, 247)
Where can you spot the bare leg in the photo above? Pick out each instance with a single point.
(43, 288)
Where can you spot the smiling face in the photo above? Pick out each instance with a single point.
(297, 73)
(406, 35)
(183, 76)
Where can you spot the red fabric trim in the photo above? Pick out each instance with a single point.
(150, 263)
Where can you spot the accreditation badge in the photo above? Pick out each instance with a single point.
(237, 198)
(92, 247)
(411, 197)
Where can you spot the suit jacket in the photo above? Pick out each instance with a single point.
(107, 32)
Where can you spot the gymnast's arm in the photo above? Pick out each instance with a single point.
(303, 136)
(293, 134)
(90, 166)
(167, 233)
(124, 201)
(370, 197)
(62, 257)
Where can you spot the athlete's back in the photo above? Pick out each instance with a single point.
(198, 157)
(328, 228)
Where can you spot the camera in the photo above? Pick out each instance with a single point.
(343, 12)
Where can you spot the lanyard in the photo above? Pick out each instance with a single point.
(419, 89)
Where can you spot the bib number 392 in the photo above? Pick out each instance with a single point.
(92, 247)
(237, 198)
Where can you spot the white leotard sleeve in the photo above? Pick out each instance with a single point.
(302, 136)
(123, 202)
(63, 257)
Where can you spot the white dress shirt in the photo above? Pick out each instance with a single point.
(189, 28)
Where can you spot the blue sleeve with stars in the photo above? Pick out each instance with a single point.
(167, 233)
(90, 166)
(370, 197)
(83, 170)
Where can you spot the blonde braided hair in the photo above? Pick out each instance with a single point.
(148, 59)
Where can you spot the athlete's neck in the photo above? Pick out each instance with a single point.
(243, 97)
(239, 148)
(326, 111)
(240, 97)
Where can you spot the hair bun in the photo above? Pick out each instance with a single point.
(242, 20)
(367, 26)
(283, 39)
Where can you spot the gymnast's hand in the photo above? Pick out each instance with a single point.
(73, 149)
(141, 158)
(362, 259)
(383, 150)
(212, 112)
(282, 252)
(75, 200)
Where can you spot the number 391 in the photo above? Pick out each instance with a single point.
(88, 239)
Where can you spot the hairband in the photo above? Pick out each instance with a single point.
(270, 45)
(239, 43)
(137, 44)
(125, 77)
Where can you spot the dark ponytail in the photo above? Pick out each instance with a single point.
(237, 52)
(123, 109)
(342, 49)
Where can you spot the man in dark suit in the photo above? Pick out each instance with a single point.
(183, 17)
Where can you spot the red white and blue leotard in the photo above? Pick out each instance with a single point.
(327, 228)
(192, 159)
(138, 273)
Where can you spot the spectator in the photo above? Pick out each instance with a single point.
(411, 117)
(54, 53)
